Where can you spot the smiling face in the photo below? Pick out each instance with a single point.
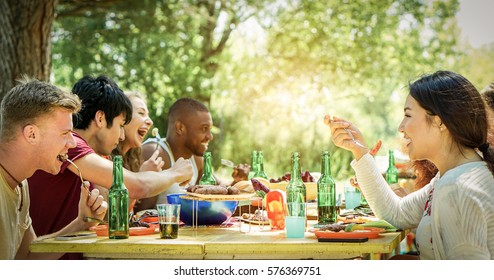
(198, 132)
(55, 140)
(420, 131)
(138, 127)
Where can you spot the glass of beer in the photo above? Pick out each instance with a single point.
(169, 219)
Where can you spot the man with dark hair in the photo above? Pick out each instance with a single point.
(98, 130)
(188, 136)
(35, 134)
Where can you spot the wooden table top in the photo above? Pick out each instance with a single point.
(241, 241)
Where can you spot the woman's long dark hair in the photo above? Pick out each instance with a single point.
(461, 109)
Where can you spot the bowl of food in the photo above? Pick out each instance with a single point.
(208, 212)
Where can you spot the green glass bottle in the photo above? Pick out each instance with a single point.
(118, 204)
(260, 166)
(392, 172)
(326, 193)
(296, 190)
(207, 174)
(253, 164)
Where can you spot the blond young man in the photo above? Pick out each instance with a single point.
(35, 134)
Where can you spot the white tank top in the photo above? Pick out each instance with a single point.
(175, 188)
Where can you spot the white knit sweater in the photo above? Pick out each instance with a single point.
(462, 214)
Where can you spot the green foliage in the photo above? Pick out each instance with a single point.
(166, 49)
(477, 66)
(268, 70)
(331, 57)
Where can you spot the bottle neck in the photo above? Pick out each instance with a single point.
(296, 170)
(254, 162)
(260, 163)
(207, 175)
(391, 159)
(325, 166)
(260, 167)
(117, 173)
(391, 175)
(207, 166)
(208, 169)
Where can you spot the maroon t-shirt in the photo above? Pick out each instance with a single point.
(55, 198)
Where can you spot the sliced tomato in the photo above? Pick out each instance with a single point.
(376, 148)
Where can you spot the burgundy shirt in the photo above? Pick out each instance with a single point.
(55, 198)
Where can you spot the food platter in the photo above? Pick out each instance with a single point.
(241, 196)
(370, 233)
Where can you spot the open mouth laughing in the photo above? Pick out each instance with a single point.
(142, 132)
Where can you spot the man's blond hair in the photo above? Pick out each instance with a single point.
(29, 100)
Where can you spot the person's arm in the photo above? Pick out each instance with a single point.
(402, 212)
(154, 163)
(149, 151)
(99, 171)
(90, 205)
(24, 254)
(240, 173)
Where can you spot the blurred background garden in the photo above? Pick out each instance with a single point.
(269, 70)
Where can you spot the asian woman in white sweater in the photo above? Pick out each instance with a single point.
(446, 122)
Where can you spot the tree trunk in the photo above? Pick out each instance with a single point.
(25, 40)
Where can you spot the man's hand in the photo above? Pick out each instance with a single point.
(154, 163)
(240, 173)
(183, 171)
(91, 204)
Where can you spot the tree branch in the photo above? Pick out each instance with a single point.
(78, 8)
